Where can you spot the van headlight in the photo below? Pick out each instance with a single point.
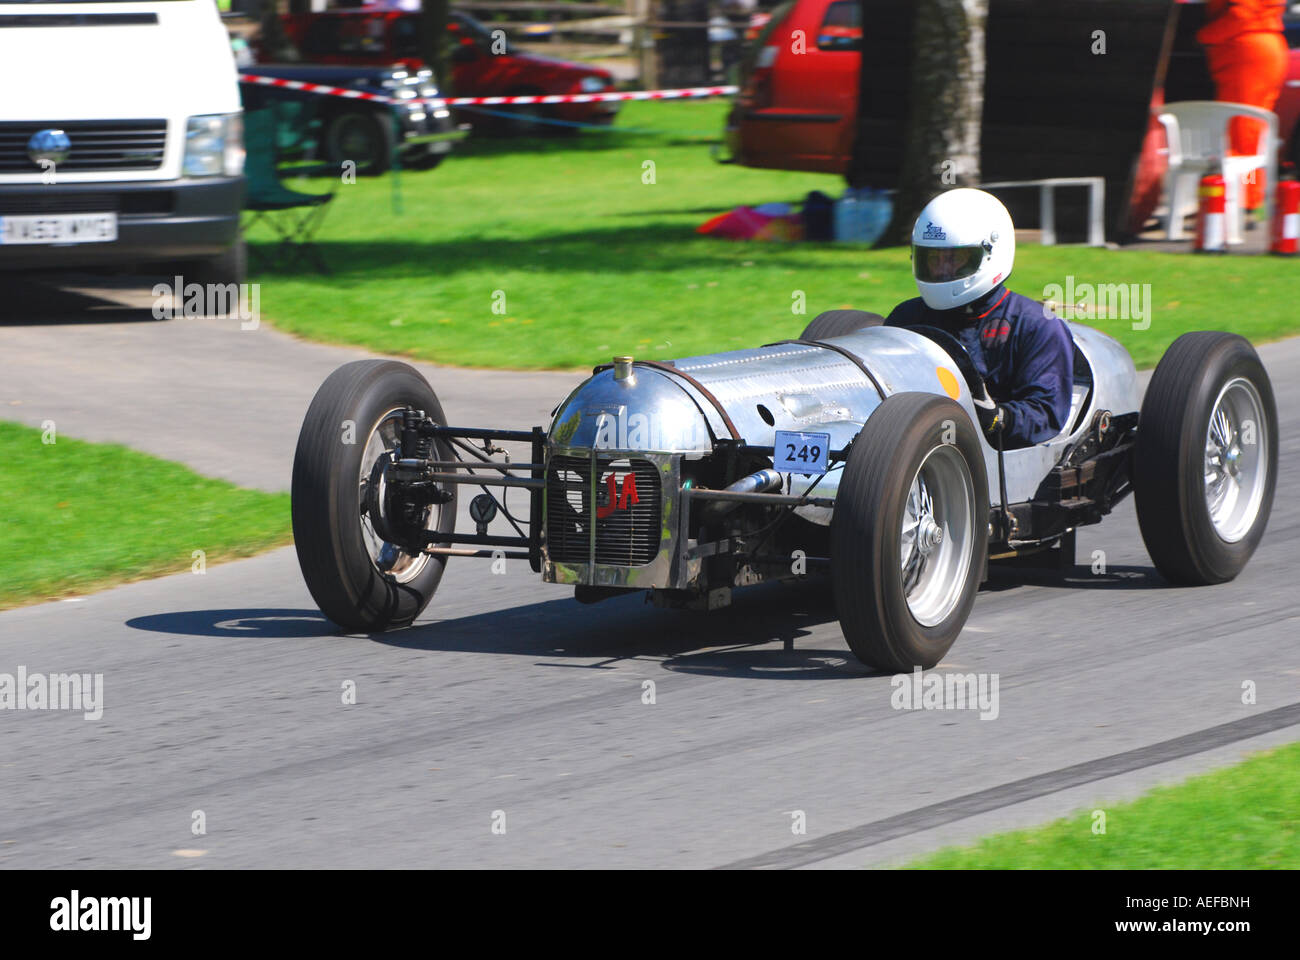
(214, 146)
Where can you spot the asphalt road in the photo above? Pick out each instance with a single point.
(511, 702)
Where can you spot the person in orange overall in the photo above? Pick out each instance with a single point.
(1247, 54)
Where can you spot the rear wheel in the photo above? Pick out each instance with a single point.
(910, 532)
(836, 323)
(360, 578)
(1205, 465)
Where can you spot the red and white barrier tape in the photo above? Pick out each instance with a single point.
(314, 88)
(678, 94)
(324, 90)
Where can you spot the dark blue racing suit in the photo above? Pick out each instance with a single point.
(1022, 350)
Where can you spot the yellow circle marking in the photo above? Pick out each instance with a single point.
(948, 382)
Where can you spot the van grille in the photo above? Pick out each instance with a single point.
(96, 144)
(626, 536)
(40, 202)
(128, 203)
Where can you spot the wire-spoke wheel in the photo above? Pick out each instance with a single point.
(1236, 459)
(910, 532)
(400, 563)
(1205, 465)
(360, 555)
(935, 541)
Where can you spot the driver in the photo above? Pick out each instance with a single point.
(963, 246)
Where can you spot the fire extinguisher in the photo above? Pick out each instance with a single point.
(1286, 216)
(1211, 219)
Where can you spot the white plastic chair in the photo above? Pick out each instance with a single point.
(1197, 132)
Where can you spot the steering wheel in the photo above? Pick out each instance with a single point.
(952, 346)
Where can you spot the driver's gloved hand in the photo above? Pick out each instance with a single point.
(993, 422)
(993, 418)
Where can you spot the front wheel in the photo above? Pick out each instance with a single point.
(423, 161)
(1205, 464)
(359, 579)
(909, 534)
(837, 323)
(365, 139)
(228, 267)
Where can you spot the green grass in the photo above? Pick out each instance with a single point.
(592, 261)
(1245, 817)
(82, 516)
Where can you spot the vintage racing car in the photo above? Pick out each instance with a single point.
(853, 449)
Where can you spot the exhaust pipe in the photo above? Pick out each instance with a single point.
(758, 482)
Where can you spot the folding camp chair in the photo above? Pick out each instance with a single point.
(295, 217)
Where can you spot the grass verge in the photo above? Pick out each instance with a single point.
(1244, 817)
(584, 259)
(83, 516)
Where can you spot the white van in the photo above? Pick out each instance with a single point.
(121, 138)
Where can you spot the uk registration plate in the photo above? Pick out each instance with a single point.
(59, 228)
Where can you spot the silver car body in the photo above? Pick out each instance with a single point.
(661, 418)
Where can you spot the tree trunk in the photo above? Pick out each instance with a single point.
(273, 41)
(941, 147)
(433, 40)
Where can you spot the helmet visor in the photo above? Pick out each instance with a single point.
(944, 264)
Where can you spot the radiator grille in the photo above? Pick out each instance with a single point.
(133, 203)
(96, 144)
(40, 202)
(627, 535)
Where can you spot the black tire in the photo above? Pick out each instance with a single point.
(230, 266)
(866, 550)
(1169, 462)
(527, 119)
(836, 323)
(366, 138)
(423, 161)
(327, 520)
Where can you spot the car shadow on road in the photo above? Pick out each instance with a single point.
(756, 637)
(247, 624)
(1078, 577)
(36, 303)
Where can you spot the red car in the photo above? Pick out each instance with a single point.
(482, 64)
(797, 110)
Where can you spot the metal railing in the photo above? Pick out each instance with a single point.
(1047, 204)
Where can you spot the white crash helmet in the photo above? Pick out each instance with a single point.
(978, 243)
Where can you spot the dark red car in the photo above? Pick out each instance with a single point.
(484, 63)
(799, 96)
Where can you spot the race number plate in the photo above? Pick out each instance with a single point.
(801, 452)
(59, 228)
